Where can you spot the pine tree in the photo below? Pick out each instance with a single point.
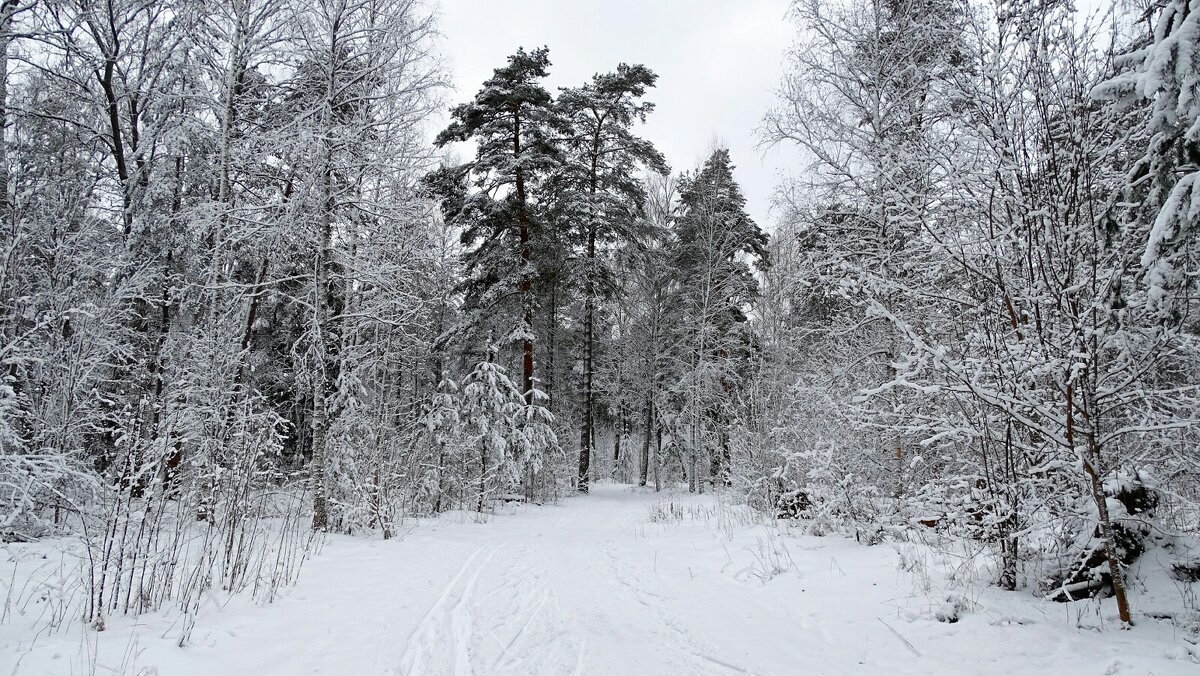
(510, 436)
(512, 120)
(714, 288)
(603, 199)
(1156, 86)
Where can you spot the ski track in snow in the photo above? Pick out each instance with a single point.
(593, 586)
(423, 641)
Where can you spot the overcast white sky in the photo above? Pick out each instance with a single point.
(718, 61)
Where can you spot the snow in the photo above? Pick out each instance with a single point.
(621, 581)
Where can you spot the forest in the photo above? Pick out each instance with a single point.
(268, 279)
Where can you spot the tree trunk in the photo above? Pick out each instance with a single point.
(693, 475)
(439, 377)
(526, 285)
(896, 442)
(115, 141)
(482, 475)
(320, 423)
(618, 433)
(1090, 463)
(321, 321)
(441, 483)
(619, 465)
(6, 11)
(586, 433)
(1106, 533)
(1009, 544)
(644, 461)
(657, 456)
(552, 331)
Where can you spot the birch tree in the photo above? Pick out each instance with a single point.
(362, 87)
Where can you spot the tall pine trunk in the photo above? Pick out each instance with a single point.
(586, 432)
(526, 285)
(552, 335)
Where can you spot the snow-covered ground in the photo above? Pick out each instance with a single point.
(618, 582)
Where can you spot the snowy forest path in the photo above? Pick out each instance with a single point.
(561, 595)
(620, 581)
